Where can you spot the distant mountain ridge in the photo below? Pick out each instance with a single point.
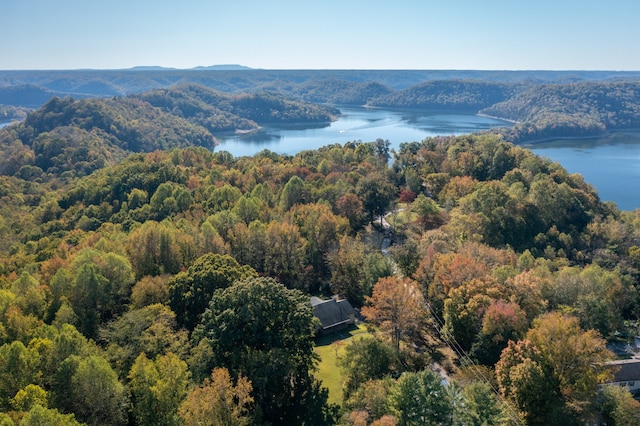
(222, 67)
(547, 103)
(240, 79)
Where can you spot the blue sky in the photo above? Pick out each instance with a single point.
(326, 34)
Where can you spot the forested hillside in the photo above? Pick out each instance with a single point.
(76, 137)
(82, 83)
(449, 94)
(220, 112)
(172, 287)
(571, 110)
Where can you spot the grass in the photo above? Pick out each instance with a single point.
(329, 348)
(403, 216)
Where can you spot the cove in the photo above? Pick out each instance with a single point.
(357, 124)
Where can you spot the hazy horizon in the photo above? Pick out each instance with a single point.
(206, 67)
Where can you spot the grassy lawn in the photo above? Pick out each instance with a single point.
(402, 217)
(330, 348)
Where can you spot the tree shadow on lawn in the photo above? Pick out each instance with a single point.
(353, 330)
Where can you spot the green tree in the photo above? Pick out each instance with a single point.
(88, 286)
(319, 227)
(249, 246)
(248, 209)
(137, 198)
(285, 254)
(376, 193)
(152, 331)
(6, 420)
(406, 256)
(101, 288)
(41, 416)
(19, 367)
(191, 291)
(347, 270)
(168, 199)
(97, 397)
(30, 296)
(154, 249)
(371, 397)
(366, 359)
(263, 331)
(350, 206)
(28, 397)
(223, 198)
(421, 399)
(69, 341)
(479, 406)
(292, 193)
(426, 209)
(158, 388)
(618, 407)
(598, 297)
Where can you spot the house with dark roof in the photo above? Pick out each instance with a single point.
(334, 314)
(626, 374)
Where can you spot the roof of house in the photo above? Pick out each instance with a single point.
(332, 312)
(628, 370)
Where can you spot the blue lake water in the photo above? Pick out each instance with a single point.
(611, 164)
(357, 124)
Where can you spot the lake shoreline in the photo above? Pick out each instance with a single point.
(508, 120)
(605, 134)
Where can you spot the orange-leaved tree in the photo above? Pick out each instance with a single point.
(398, 306)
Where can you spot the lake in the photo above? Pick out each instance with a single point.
(611, 164)
(357, 124)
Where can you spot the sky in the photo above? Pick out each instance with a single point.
(321, 34)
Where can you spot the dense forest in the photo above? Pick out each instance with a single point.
(146, 279)
(571, 110)
(172, 285)
(76, 137)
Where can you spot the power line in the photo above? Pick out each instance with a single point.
(453, 344)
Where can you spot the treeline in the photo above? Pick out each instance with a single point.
(220, 112)
(570, 110)
(143, 292)
(108, 83)
(340, 92)
(449, 94)
(76, 137)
